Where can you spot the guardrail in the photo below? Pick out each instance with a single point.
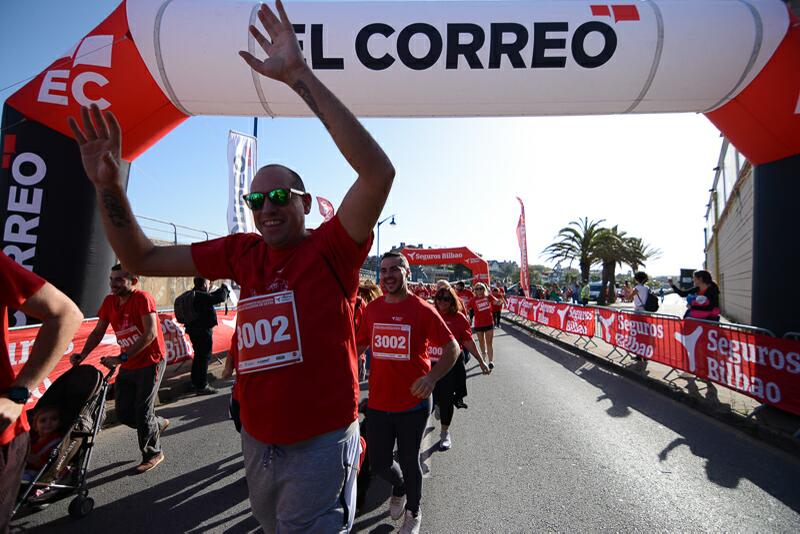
(745, 358)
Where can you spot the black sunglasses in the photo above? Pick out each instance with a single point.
(445, 297)
(278, 197)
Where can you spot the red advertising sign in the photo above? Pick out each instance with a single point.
(757, 365)
(648, 336)
(179, 348)
(448, 256)
(325, 208)
(524, 281)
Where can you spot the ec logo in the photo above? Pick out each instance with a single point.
(94, 51)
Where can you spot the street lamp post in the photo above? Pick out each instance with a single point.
(378, 247)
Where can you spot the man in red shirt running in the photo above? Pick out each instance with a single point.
(297, 374)
(398, 328)
(23, 290)
(133, 317)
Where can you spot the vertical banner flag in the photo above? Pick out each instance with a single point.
(524, 281)
(242, 169)
(325, 208)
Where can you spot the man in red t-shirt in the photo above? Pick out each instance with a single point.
(23, 290)
(297, 373)
(398, 328)
(133, 317)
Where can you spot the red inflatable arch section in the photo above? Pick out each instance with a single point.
(450, 256)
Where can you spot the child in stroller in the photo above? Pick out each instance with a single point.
(80, 397)
(46, 435)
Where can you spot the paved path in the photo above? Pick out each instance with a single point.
(549, 442)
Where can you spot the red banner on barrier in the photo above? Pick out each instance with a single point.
(757, 365)
(176, 341)
(578, 320)
(648, 336)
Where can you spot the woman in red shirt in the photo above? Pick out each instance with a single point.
(445, 393)
(481, 306)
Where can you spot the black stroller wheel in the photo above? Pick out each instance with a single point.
(81, 507)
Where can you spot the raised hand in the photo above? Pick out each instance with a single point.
(100, 141)
(284, 60)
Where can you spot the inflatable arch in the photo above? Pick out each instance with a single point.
(157, 62)
(450, 256)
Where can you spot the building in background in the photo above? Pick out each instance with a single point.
(729, 233)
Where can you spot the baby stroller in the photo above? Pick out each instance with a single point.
(80, 395)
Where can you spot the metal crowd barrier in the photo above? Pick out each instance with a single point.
(662, 319)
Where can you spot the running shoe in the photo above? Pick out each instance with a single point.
(396, 506)
(150, 463)
(411, 523)
(491, 365)
(163, 425)
(444, 441)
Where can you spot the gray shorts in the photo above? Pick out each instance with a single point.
(304, 487)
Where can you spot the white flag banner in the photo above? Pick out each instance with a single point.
(241, 169)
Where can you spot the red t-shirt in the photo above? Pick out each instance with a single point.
(458, 324)
(482, 306)
(17, 284)
(398, 335)
(466, 296)
(497, 305)
(126, 321)
(297, 375)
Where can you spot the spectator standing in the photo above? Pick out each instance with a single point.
(303, 279)
(705, 305)
(201, 331)
(133, 317)
(585, 293)
(640, 291)
(23, 290)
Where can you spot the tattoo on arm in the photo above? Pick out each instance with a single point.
(115, 210)
(305, 93)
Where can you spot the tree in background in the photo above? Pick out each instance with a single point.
(610, 251)
(578, 242)
(637, 252)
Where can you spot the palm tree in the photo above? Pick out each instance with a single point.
(611, 250)
(577, 241)
(638, 252)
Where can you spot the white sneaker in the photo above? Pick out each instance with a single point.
(397, 506)
(436, 412)
(410, 523)
(444, 441)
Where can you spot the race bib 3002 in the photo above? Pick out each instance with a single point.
(391, 341)
(268, 333)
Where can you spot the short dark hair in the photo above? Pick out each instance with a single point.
(297, 182)
(119, 267)
(641, 277)
(199, 281)
(403, 259)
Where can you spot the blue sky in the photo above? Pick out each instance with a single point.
(457, 179)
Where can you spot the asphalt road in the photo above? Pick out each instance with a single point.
(549, 442)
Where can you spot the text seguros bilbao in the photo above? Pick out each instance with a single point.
(590, 45)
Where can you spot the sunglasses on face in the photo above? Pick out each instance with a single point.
(445, 297)
(278, 197)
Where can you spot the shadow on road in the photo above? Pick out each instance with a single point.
(725, 466)
(175, 505)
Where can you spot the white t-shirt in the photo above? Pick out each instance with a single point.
(640, 297)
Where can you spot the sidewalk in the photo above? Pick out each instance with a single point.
(724, 404)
